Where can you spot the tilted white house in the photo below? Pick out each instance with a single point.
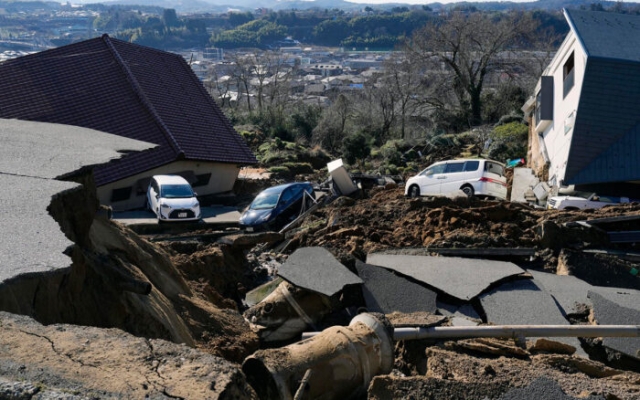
(585, 115)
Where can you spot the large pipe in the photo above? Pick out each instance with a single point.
(511, 331)
(338, 363)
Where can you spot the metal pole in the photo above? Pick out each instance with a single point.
(516, 331)
(511, 331)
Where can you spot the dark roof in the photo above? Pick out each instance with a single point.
(128, 90)
(607, 34)
(606, 134)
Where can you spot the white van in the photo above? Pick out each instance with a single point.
(474, 177)
(171, 198)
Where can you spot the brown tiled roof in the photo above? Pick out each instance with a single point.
(128, 90)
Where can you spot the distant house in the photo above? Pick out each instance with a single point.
(136, 92)
(585, 115)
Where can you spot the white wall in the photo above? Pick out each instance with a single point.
(223, 177)
(556, 140)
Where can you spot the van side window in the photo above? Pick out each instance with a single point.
(436, 169)
(454, 167)
(495, 168)
(471, 166)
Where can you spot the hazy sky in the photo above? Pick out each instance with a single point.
(426, 1)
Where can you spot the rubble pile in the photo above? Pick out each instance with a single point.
(387, 220)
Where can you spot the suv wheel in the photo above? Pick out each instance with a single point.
(414, 191)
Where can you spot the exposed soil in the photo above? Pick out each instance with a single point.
(385, 220)
(198, 287)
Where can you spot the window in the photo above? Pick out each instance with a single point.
(454, 167)
(568, 75)
(471, 166)
(201, 180)
(121, 194)
(495, 168)
(544, 100)
(436, 169)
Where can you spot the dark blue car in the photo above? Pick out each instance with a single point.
(275, 207)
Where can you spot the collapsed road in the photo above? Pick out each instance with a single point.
(92, 310)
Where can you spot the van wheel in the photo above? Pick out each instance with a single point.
(414, 191)
(468, 190)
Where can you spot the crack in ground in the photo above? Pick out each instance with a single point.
(53, 347)
(155, 369)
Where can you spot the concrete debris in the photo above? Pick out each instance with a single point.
(569, 292)
(523, 302)
(462, 278)
(618, 308)
(386, 292)
(315, 268)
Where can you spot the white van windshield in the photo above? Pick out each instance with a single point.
(176, 191)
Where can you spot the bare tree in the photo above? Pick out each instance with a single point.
(331, 128)
(243, 66)
(472, 46)
(404, 79)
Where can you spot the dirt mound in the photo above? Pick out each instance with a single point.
(387, 220)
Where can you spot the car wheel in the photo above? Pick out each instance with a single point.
(467, 190)
(414, 191)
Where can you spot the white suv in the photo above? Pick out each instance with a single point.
(171, 198)
(474, 177)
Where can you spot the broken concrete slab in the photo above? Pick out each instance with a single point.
(462, 278)
(523, 302)
(30, 240)
(387, 292)
(315, 268)
(617, 307)
(50, 151)
(466, 311)
(32, 156)
(570, 292)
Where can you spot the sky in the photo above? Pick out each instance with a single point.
(427, 1)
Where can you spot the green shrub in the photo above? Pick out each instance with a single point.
(391, 153)
(298, 168)
(280, 172)
(509, 141)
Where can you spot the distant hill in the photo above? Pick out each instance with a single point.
(219, 6)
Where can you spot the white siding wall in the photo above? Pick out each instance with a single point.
(556, 140)
(223, 177)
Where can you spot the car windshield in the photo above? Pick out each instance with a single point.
(176, 191)
(265, 201)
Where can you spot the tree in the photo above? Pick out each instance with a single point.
(170, 18)
(472, 46)
(403, 78)
(356, 148)
(331, 128)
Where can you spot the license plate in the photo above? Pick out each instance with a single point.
(249, 229)
(182, 215)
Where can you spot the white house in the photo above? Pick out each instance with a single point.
(585, 115)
